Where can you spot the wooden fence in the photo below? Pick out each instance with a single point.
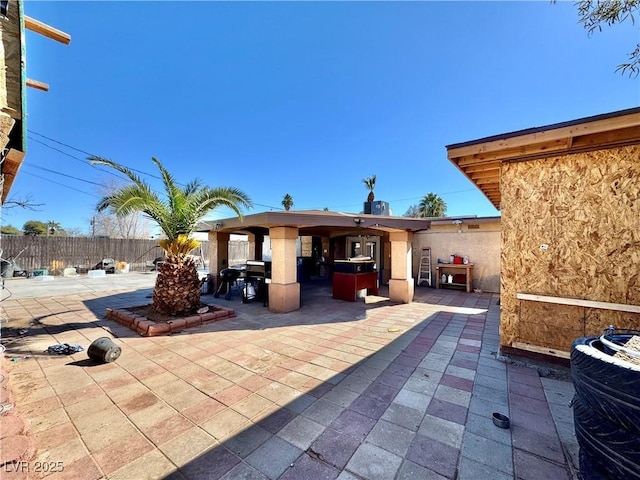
(57, 253)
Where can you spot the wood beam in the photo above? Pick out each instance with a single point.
(37, 85)
(543, 350)
(46, 30)
(488, 175)
(485, 167)
(547, 136)
(488, 185)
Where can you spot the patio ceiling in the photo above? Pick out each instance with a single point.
(315, 222)
(480, 160)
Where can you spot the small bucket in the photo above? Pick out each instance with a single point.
(103, 350)
(500, 420)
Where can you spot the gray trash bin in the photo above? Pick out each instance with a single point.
(6, 268)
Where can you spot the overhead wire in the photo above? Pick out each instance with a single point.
(87, 162)
(141, 172)
(61, 184)
(28, 165)
(86, 153)
(84, 161)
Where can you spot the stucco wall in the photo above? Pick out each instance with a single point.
(478, 239)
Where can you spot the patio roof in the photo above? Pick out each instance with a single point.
(315, 222)
(480, 160)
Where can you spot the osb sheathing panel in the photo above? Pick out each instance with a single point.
(544, 321)
(586, 209)
(10, 62)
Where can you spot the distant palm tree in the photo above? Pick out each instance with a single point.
(431, 205)
(52, 227)
(287, 202)
(370, 184)
(177, 289)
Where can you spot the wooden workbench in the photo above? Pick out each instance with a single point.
(453, 269)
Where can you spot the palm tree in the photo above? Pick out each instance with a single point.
(431, 205)
(370, 184)
(52, 227)
(287, 202)
(177, 289)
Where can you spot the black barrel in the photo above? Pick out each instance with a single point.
(103, 350)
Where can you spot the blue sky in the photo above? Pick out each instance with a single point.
(304, 98)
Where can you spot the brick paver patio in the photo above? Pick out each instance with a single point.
(336, 390)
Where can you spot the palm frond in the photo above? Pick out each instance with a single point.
(179, 210)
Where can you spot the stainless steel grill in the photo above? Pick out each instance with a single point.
(256, 281)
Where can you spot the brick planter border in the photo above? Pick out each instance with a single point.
(149, 328)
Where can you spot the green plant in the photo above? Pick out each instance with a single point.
(177, 212)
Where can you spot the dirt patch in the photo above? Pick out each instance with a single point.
(159, 317)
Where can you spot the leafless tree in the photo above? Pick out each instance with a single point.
(134, 225)
(21, 202)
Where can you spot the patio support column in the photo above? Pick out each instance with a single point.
(218, 253)
(284, 290)
(256, 241)
(401, 285)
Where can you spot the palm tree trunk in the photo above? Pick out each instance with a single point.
(177, 289)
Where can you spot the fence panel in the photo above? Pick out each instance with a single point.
(56, 253)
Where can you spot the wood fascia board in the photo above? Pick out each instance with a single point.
(607, 139)
(544, 148)
(598, 126)
(46, 30)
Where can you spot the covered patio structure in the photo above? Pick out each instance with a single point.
(330, 231)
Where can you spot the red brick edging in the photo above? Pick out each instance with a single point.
(149, 328)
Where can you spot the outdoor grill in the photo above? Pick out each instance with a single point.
(228, 277)
(256, 282)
